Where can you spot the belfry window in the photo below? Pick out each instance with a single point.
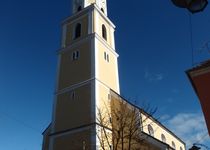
(79, 8)
(78, 29)
(104, 32)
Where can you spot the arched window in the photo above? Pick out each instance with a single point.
(77, 31)
(163, 138)
(104, 34)
(150, 130)
(79, 8)
(102, 10)
(173, 145)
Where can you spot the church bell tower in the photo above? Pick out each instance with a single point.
(87, 71)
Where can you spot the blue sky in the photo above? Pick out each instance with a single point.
(152, 39)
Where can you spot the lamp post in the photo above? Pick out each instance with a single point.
(195, 146)
(193, 6)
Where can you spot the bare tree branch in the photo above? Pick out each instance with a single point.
(125, 123)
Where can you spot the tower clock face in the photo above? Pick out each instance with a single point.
(103, 3)
(91, 1)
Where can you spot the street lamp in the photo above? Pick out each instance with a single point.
(180, 3)
(193, 6)
(197, 5)
(194, 148)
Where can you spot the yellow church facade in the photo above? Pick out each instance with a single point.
(88, 81)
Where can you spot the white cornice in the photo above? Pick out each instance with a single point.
(86, 38)
(86, 11)
(77, 15)
(75, 86)
(76, 43)
(72, 131)
(104, 16)
(106, 44)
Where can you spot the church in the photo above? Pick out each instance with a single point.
(87, 92)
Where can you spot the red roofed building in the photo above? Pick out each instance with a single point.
(200, 79)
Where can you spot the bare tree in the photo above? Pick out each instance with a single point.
(120, 125)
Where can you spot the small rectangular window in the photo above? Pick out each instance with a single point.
(109, 97)
(75, 55)
(110, 119)
(107, 58)
(105, 55)
(84, 145)
(73, 95)
(111, 147)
